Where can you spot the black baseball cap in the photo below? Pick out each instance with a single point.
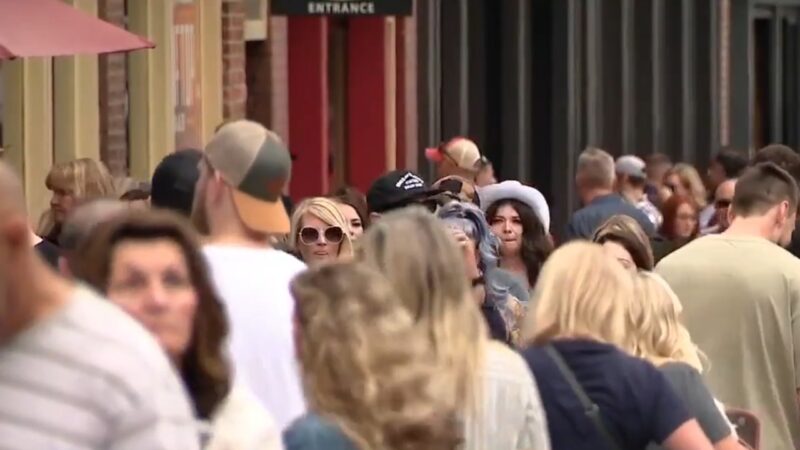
(172, 186)
(397, 189)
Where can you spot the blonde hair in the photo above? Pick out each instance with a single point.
(654, 317)
(84, 178)
(365, 366)
(327, 211)
(690, 178)
(581, 292)
(418, 255)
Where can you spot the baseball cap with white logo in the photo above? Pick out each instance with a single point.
(256, 163)
(396, 189)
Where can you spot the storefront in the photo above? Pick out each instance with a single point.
(57, 109)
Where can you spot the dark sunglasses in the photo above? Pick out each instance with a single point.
(722, 203)
(310, 236)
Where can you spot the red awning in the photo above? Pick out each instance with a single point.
(54, 28)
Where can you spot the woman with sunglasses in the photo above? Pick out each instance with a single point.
(320, 233)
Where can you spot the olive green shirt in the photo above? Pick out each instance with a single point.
(741, 304)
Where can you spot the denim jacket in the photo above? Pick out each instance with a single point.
(312, 432)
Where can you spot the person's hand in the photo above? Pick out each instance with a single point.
(461, 238)
(468, 249)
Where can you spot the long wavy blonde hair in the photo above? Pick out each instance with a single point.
(420, 258)
(365, 366)
(691, 180)
(581, 293)
(327, 211)
(654, 316)
(84, 178)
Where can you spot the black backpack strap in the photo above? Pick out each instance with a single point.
(590, 408)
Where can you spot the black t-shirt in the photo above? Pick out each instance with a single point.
(48, 251)
(637, 403)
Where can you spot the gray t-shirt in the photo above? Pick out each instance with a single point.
(507, 280)
(688, 384)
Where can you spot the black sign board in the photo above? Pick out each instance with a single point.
(342, 7)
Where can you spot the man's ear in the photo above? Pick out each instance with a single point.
(374, 217)
(783, 212)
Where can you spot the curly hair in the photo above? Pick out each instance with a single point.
(536, 245)
(365, 366)
(204, 368)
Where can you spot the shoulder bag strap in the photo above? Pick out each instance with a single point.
(590, 408)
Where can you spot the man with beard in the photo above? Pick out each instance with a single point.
(747, 287)
(237, 204)
(75, 371)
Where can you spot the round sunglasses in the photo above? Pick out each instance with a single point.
(310, 236)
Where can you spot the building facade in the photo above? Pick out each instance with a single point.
(533, 82)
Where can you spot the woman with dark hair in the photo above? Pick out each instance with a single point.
(681, 225)
(353, 206)
(520, 217)
(624, 239)
(149, 263)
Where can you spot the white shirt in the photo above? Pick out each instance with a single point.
(254, 285)
(511, 416)
(241, 423)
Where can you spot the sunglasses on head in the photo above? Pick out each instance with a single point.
(310, 236)
(722, 203)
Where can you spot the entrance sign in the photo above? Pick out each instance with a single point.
(342, 7)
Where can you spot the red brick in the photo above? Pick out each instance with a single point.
(235, 77)
(233, 48)
(234, 93)
(278, 85)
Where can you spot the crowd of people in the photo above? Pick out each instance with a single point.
(202, 309)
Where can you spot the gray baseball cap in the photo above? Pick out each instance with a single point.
(256, 163)
(631, 165)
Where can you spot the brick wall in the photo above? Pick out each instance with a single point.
(234, 95)
(113, 79)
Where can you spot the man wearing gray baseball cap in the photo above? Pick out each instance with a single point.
(237, 203)
(631, 183)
